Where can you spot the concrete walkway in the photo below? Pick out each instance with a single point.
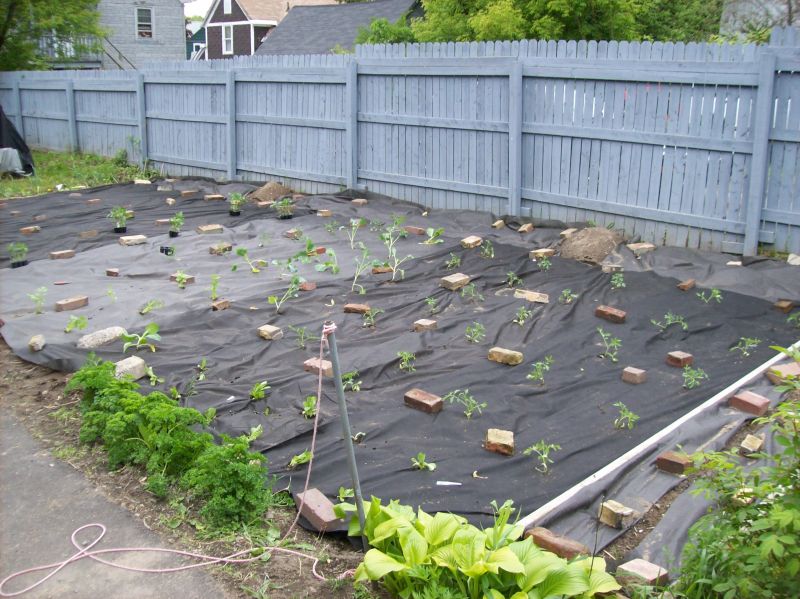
(43, 500)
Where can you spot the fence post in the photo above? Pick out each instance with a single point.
(762, 123)
(351, 114)
(230, 95)
(515, 139)
(141, 109)
(18, 100)
(69, 90)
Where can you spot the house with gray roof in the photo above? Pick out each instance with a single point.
(320, 29)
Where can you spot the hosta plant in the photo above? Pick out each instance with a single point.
(414, 552)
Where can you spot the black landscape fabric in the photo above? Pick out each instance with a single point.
(573, 408)
(10, 138)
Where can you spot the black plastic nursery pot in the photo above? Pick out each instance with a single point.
(234, 212)
(120, 229)
(285, 216)
(167, 250)
(174, 233)
(19, 263)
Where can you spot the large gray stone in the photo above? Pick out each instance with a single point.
(37, 343)
(101, 337)
(133, 366)
(793, 259)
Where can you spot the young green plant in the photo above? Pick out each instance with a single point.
(146, 339)
(669, 320)
(610, 343)
(692, 377)
(214, 286)
(17, 251)
(523, 315)
(626, 418)
(176, 222)
(512, 280)
(291, 292)
(181, 278)
(151, 305)
(617, 281)
(475, 332)
(715, 295)
(363, 263)
(76, 322)
(303, 336)
(540, 368)
(255, 265)
(38, 297)
(434, 236)
(486, 249)
(118, 214)
(407, 360)
(542, 449)
(567, 297)
(369, 317)
(432, 304)
(309, 407)
(350, 381)
(746, 345)
(419, 463)
(464, 398)
(453, 261)
(259, 390)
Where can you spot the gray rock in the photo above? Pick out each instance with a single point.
(134, 367)
(101, 337)
(793, 259)
(37, 343)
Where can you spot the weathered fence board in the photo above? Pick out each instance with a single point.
(693, 145)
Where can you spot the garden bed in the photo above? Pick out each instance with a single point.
(573, 407)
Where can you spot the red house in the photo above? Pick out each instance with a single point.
(237, 27)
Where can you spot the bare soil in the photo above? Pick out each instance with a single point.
(36, 396)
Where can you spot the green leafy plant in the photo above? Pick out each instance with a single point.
(259, 390)
(419, 463)
(299, 459)
(669, 320)
(746, 345)
(332, 226)
(76, 322)
(747, 546)
(111, 294)
(419, 556)
(350, 381)
(376, 225)
(255, 265)
(152, 376)
(464, 398)
(626, 418)
(544, 263)
(214, 286)
(454, 261)
(790, 382)
(176, 222)
(512, 280)
(434, 236)
(363, 263)
(352, 230)
(17, 251)
(407, 360)
(471, 294)
(303, 336)
(523, 315)
(390, 236)
(475, 332)
(542, 449)
(433, 305)
(151, 305)
(331, 263)
(610, 343)
(369, 317)
(236, 201)
(38, 297)
(132, 340)
(309, 407)
(291, 292)
(345, 493)
(540, 368)
(202, 369)
(119, 214)
(181, 278)
(567, 297)
(715, 295)
(486, 249)
(617, 281)
(794, 319)
(692, 377)
(284, 207)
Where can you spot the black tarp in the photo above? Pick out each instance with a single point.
(573, 409)
(10, 138)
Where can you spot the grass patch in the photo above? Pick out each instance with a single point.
(70, 170)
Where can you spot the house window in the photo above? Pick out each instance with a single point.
(226, 7)
(227, 39)
(197, 48)
(144, 23)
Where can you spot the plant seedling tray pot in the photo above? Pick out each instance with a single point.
(174, 233)
(19, 264)
(120, 229)
(234, 212)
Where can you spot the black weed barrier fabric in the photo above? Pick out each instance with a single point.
(573, 408)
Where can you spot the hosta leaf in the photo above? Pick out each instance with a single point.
(377, 565)
(414, 546)
(445, 557)
(537, 568)
(493, 594)
(504, 559)
(601, 582)
(389, 528)
(569, 580)
(441, 528)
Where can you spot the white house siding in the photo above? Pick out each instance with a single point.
(118, 18)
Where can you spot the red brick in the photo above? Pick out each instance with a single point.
(219, 249)
(324, 212)
(610, 314)
(220, 304)
(210, 228)
(499, 224)
(780, 372)
(679, 359)
(265, 204)
(502, 355)
(162, 221)
(784, 306)
(359, 202)
(499, 441)
(318, 510)
(641, 571)
(424, 324)
(112, 272)
(189, 192)
(62, 254)
(526, 228)
(414, 230)
(687, 284)
(292, 234)
(616, 515)
(214, 197)
(72, 303)
(317, 250)
(314, 365)
(94, 201)
(634, 376)
(88, 234)
(356, 308)
(752, 403)
(174, 278)
(381, 270)
(672, 462)
(308, 286)
(472, 241)
(423, 401)
(563, 547)
(39, 218)
(60, 282)
(30, 230)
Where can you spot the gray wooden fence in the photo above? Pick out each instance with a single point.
(691, 145)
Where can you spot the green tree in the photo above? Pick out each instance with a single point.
(499, 20)
(381, 31)
(581, 19)
(24, 22)
(445, 21)
(685, 21)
